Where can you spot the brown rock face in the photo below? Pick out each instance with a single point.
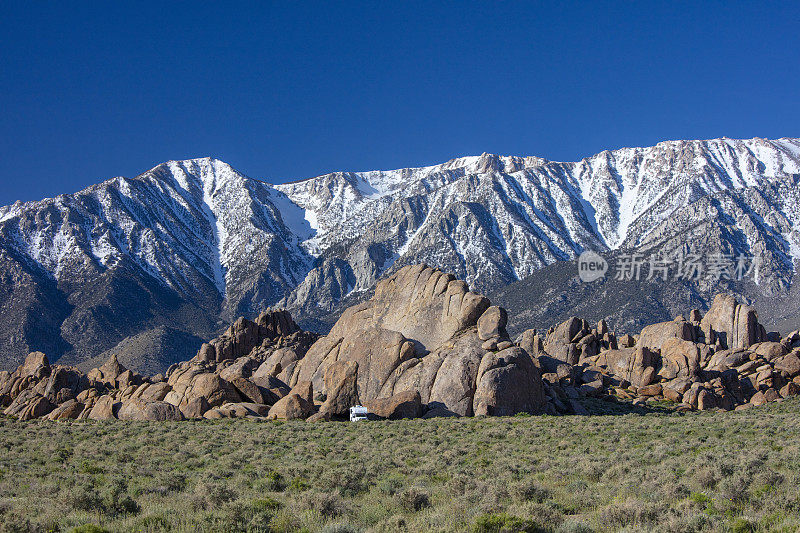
(447, 378)
(298, 404)
(196, 408)
(341, 384)
(213, 388)
(138, 409)
(155, 392)
(28, 405)
(207, 353)
(426, 346)
(103, 409)
(626, 341)
(292, 407)
(250, 391)
(679, 358)
(245, 335)
(273, 388)
(238, 410)
(280, 364)
(241, 368)
(418, 333)
(111, 369)
(492, 323)
(770, 350)
(731, 324)
(531, 342)
(789, 390)
(651, 390)
(304, 389)
(706, 400)
(65, 378)
(790, 364)
(566, 332)
(403, 405)
(508, 383)
(729, 358)
(36, 365)
(636, 365)
(69, 410)
(655, 336)
(672, 395)
(377, 351)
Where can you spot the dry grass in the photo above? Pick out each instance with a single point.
(659, 472)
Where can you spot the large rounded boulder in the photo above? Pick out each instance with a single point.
(422, 332)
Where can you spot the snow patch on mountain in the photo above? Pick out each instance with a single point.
(219, 236)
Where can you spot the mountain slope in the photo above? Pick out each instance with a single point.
(187, 244)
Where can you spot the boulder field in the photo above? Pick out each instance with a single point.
(426, 346)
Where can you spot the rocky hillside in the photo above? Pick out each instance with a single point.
(189, 245)
(426, 346)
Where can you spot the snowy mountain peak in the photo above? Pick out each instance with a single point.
(206, 174)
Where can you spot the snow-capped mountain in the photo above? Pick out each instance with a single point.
(191, 244)
(187, 224)
(493, 220)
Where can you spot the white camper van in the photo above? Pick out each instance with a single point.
(358, 413)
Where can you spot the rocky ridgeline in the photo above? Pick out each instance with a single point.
(426, 346)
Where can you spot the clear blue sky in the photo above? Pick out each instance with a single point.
(296, 89)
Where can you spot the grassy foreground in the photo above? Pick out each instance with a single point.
(735, 471)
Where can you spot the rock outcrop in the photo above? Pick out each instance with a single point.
(139, 409)
(423, 331)
(731, 325)
(403, 405)
(298, 404)
(508, 382)
(341, 385)
(190, 390)
(245, 335)
(723, 360)
(426, 346)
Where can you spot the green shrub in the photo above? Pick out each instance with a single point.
(115, 500)
(571, 526)
(87, 467)
(504, 523)
(702, 472)
(328, 504)
(340, 528)
(264, 505)
(151, 522)
(740, 525)
(211, 495)
(531, 492)
(274, 482)
(168, 482)
(13, 523)
(391, 484)
(348, 481)
(700, 498)
(299, 484)
(89, 528)
(414, 499)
